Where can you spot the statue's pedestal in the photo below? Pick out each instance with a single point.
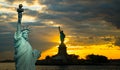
(62, 50)
(62, 53)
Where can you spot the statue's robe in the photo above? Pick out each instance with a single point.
(25, 57)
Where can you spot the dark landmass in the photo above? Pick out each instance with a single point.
(115, 62)
(63, 58)
(73, 60)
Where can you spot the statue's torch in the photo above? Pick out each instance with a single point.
(20, 10)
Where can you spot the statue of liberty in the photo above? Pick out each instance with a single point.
(25, 57)
(62, 35)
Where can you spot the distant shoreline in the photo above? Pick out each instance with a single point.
(79, 62)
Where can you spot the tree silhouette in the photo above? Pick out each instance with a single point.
(47, 57)
(96, 58)
(73, 57)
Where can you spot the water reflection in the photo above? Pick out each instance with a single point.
(78, 67)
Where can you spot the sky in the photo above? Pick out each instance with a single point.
(90, 26)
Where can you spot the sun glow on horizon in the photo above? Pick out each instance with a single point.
(83, 51)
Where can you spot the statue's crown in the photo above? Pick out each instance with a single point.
(26, 28)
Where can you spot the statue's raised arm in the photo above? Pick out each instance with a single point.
(59, 29)
(19, 10)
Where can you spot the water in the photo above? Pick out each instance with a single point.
(79, 67)
(11, 66)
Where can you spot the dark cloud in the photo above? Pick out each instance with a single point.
(10, 1)
(117, 41)
(6, 17)
(41, 38)
(112, 10)
(50, 1)
(6, 42)
(107, 39)
(48, 16)
(96, 8)
(31, 12)
(6, 37)
(29, 1)
(66, 8)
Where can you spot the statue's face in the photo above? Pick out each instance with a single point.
(20, 5)
(25, 34)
